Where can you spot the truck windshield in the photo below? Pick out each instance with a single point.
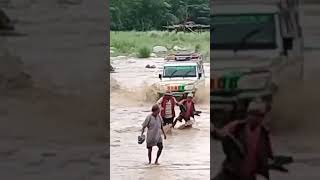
(248, 31)
(179, 71)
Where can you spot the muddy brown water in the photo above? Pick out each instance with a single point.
(186, 152)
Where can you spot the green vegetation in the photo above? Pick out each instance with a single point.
(135, 26)
(144, 52)
(145, 15)
(140, 44)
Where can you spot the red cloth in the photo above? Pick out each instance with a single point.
(164, 104)
(190, 108)
(250, 162)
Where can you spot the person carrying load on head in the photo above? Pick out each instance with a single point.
(167, 104)
(187, 108)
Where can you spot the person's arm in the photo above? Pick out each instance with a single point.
(226, 130)
(193, 108)
(142, 131)
(164, 134)
(144, 124)
(217, 134)
(160, 101)
(182, 101)
(175, 101)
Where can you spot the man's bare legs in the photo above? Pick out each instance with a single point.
(149, 154)
(160, 146)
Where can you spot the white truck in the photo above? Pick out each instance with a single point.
(182, 73)
(256, 46)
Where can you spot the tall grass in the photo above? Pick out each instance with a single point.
(144, 52)
(134, 43)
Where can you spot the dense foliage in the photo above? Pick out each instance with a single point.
(142, 15)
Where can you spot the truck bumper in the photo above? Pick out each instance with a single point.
(178, 95)
(226, 107)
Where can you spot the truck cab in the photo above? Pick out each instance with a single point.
(256, 47)
(181, 74)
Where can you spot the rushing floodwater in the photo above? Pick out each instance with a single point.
(186, 153)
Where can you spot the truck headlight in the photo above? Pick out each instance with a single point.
(189, 87)
(254, 81)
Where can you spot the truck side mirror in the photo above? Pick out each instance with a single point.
(287, 45)
(160, 76)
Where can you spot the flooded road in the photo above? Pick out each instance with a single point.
(186, 153)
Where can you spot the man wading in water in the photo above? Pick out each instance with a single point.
(190, 110)
(246, 145)
(154, 124)
(167, 104)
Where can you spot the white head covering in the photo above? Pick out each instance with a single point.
(257, 105)
(190, 95)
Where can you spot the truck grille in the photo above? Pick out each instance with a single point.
(229, 83)
(224, 93)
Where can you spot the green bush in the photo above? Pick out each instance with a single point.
(133, 42)
(197, 48)
(144, 52)
(123, 46)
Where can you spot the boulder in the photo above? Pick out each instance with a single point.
(150, 67)
(177, 48)
(159, 49)
(111, 68)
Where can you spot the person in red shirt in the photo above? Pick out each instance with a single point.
(167, 104)
(246, 144)
(189, 112)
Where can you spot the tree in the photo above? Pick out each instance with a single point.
(145, 15)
